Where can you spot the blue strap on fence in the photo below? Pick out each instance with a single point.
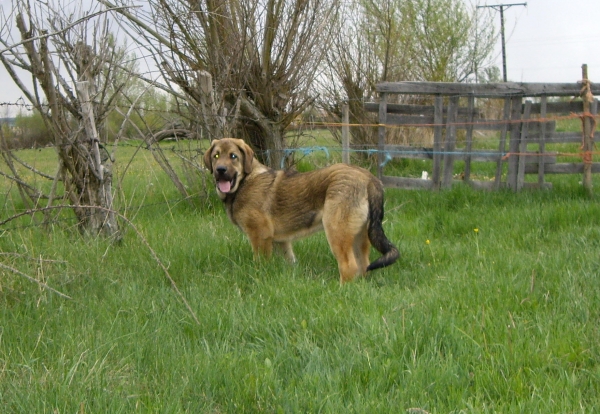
(387, 159)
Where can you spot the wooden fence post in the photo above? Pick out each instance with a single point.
(469, 137)
(438, 120)
(542, 145)
(513, 147)
(450, 144)
(588, 139)
(523, 145)
(502, 146)
(345, 134)
(381, 137)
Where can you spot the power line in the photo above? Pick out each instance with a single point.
(501, 7)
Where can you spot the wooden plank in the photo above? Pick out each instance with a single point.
(423, 153)
(428, 110)
(523, 144)
(462, 122)
(556, 137)
(562, 168)
(407, 151)
(401, 109)
(484, 90)
(469, 138)
(450, 143)
(542, 139)
(502, 146)
(498, 125)
(381, 133)
(490, 185)
(558, 107)
(406, 182)
(513, 146)
(437, 141)
(410, 120)
(346, 134)
(588, 134)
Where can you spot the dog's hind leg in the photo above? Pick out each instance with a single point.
(287, 250)
(341, 243)
(344, 226)
(362, 248)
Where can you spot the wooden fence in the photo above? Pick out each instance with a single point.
(524, 128)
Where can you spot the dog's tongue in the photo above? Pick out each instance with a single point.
(224, 186)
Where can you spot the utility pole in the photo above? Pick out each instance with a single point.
(501, 8)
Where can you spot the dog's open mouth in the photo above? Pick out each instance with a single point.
(225, 185)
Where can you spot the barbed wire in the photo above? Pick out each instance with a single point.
(387, 154)
(74, 220)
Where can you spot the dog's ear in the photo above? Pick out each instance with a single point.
(207, 157)
(248, 156)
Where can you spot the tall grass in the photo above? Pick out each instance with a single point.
(493, 307)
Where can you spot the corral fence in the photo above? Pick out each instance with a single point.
(525, 123)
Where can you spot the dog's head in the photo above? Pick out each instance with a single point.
(229, 160)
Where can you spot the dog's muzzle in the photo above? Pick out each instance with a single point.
(224, 182)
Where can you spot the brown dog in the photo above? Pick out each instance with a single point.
(280, 206)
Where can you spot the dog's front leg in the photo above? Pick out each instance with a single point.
(260, 234)
(262, 244)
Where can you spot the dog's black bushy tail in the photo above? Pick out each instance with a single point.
(375, 230)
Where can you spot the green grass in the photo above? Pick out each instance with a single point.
(502, 319)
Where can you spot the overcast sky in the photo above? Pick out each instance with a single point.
(546, 41)
(549, 40)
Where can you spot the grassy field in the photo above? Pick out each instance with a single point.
(493, 307)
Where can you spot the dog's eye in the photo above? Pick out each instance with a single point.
(216, 156)
(233, 156)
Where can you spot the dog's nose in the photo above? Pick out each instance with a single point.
(221, 169)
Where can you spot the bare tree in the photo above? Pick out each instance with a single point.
(71, 58)
(397, 40)
(245, 66)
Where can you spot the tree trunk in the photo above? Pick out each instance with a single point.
(85, 167)
(94, 176)
(266, 136)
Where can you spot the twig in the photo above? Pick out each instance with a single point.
(75, 23)
(34, 280)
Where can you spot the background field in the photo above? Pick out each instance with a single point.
(493, 307)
